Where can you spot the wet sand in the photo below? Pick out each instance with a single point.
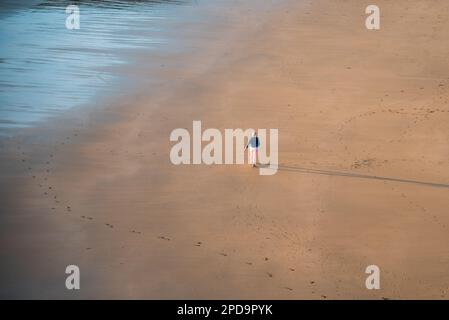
(363, 118)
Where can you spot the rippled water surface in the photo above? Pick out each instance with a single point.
(46, 68)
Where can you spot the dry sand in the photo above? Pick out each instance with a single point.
(98, 190)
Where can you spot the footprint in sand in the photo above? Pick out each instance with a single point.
(287, 288)
(270, 275)
(109, 225)
(198, 244)
(223, 254)
(164, 238)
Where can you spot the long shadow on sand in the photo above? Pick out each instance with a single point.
(357, 175)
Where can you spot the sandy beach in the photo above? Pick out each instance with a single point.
(363, 120)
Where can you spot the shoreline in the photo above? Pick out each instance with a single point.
(139, 227)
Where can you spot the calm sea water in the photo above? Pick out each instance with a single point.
(46, 68)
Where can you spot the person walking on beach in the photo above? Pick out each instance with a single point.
(253, 145)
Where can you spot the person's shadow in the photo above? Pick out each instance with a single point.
(348, 174)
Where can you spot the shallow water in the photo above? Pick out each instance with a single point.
(46, 68)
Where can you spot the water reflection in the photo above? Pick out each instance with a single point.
(45, 68)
